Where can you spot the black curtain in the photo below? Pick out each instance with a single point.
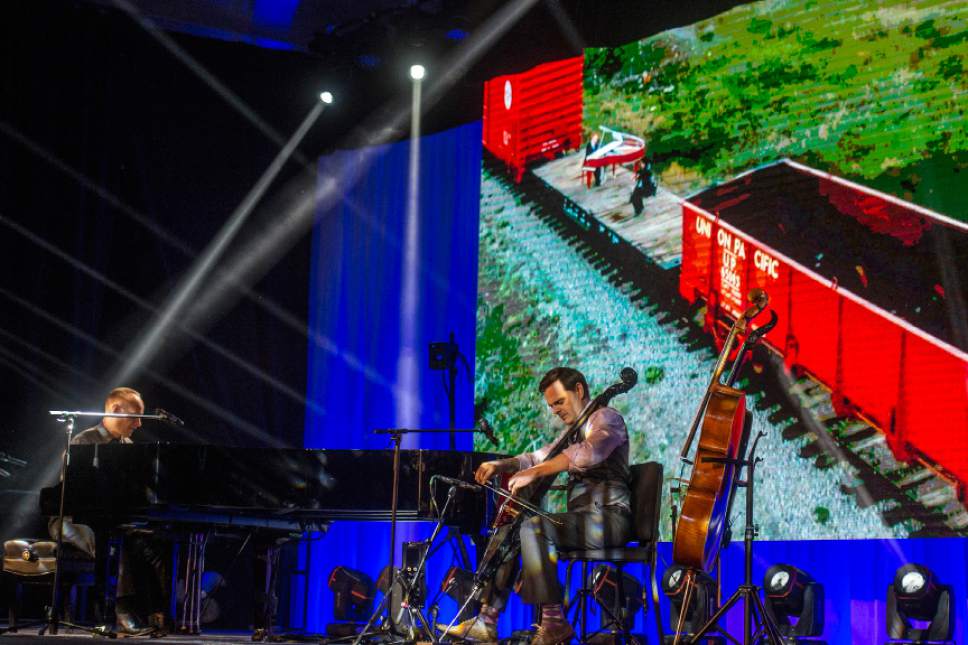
(90, 96)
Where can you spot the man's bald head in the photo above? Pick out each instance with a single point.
(121, 394)
(123, 400)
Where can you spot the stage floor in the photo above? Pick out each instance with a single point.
(67, 638)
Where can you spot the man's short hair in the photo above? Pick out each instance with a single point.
(121, 393)
(570, 378)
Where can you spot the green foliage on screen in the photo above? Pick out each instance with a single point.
(875, 92)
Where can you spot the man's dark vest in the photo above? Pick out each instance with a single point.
(603, 485)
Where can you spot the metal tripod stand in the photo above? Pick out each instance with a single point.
(748, 592)
(382, 612)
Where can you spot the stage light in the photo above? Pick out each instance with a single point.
(458, 584)
(792, 594)
(353, 593)
(605, 591)
(326, 97)
(417, 72)
(918, 607)
(688, 618)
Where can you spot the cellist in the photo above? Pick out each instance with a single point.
(598, 514)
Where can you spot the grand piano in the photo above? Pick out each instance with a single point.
(269, 493)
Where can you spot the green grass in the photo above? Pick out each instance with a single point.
(875, 92)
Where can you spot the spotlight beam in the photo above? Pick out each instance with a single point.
(109, 197)
(408, 375)
(216, 410)
(206, 76)
(152, 340)
(250, 263)
(37, 351)
(262, 301)
(254, 260)
(147, 306)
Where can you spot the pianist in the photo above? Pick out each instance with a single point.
(598, 509)
(143, 576)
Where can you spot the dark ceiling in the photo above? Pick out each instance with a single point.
(361, 49)
(354, 28)
(275, 56)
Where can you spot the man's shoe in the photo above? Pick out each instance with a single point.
(553, 633)
(131, 625)
(473, 629)
(159, 622)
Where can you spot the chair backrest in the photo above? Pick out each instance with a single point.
(646, 485)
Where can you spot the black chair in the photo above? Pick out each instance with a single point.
(646, 486)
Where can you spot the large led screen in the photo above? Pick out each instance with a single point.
(633, 196)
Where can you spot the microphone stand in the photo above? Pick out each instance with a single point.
(408, 584)
(396, 435)
(69, 418)
(478, 581)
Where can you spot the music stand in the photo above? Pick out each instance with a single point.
(396, 435)
(68, 418)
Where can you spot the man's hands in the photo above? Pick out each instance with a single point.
(486, 471)
(522, 478)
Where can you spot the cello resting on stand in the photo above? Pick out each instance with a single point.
(720, 455)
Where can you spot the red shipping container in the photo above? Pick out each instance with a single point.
(535, 114)
(854, 276)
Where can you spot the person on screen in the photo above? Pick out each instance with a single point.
(594, 144)
(644, 186)
(598, 515)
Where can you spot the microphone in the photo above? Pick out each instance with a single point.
(488, 431)
(168, 417)
(459, 483)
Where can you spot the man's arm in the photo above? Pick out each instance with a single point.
(515, 464)
(547, 468)
(489, 469)
(606, 431)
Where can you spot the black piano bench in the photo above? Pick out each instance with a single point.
(33, 562)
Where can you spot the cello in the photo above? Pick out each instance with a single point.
(699, 532)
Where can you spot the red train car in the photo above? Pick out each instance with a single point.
(534, 114)
(870, 292)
